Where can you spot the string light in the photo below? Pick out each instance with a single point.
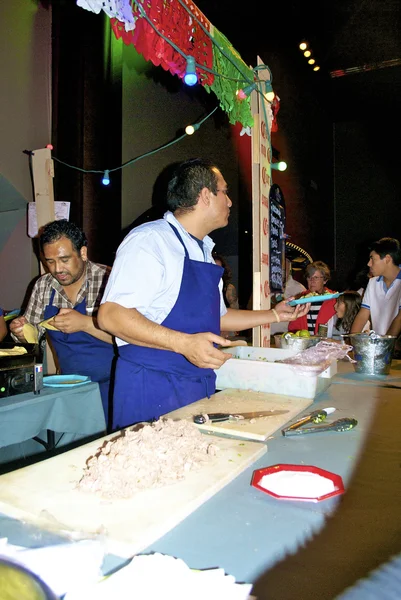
(106, 177)
(307, 53)
(279, 166)
(269, 93)
(311, 61)
(316, 68)
(246, 91)
(303, 45)
(190, 129)
(190, 76)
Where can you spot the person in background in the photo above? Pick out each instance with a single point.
(317, 275)
(292, 288)
(164, 301)
(70, 295)
(229, 292)
(381, 301)
(230, 295)
(3, 326)
(347, 307)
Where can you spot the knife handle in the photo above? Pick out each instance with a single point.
(214, 417)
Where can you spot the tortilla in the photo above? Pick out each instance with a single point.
(15, 351)
(48, 325)
(30, 333)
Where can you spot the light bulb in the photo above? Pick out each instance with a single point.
(307, 53)
(279, 166)
(106, 178)
(317, 68)
(303, 46)
(190, 76)
(311, 61)
(269, 94)
(190, 129)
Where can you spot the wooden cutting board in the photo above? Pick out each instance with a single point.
(43, 494)
(237, 401)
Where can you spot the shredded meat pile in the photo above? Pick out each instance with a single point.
(153, 456)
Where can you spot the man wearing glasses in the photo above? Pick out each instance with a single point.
(164, 302)
(317, 275)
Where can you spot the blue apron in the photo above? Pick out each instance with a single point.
(150, 382)
(82, 354)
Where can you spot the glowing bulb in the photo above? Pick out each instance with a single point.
(279, 166)
(311, 61)
(317, 68)
(269, 94)
(303, 46)
(307, 53)
(190, 76)
(190, 129)
(106, 178)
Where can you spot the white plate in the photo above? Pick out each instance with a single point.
(67, 381)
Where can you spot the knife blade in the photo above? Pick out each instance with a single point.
(218, 417)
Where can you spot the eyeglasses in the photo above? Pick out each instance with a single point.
(314, 278)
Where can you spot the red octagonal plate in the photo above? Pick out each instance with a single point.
(260, 473)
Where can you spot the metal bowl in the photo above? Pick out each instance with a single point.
(295, 343)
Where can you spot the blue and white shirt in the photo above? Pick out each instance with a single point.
(382, 302)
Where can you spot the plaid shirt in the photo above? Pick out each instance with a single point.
(92, 289)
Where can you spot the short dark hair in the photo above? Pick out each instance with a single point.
(188, 180)
(55, 230)
(390, 246)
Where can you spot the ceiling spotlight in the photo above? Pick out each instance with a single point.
(316, 68)
(303, 46)
(307, 53)
(311, 61)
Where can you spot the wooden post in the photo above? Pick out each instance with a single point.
(261, 183)
(43, 173)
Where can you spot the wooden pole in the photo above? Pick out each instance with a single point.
(43, 173)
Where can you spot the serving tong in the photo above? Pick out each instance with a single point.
(318, 416)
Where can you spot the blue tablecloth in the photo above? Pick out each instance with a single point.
(73, 413)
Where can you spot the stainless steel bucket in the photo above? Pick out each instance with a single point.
(372, 352)
(295, 343)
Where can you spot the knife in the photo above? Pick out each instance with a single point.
(217, 417)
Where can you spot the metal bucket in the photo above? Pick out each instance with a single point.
(295, 343)
(372, 352)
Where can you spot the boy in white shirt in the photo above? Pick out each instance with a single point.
(381, 301)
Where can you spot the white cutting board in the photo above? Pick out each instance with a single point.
(237, 401)
(43, 494)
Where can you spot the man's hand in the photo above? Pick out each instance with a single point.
(16, 328)
(290, 313)
(69, 320)
(198, 348)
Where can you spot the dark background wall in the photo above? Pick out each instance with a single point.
(342, 187)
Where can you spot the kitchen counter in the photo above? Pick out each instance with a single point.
(300, 550)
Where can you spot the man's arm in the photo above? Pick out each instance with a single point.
(395, 327)
(69, 320)
(360, 320)
(131, 326)
(238, 320)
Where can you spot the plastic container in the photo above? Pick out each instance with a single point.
(372, 352)
(253, 368)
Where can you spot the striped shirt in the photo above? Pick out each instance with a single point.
(92, 289)
(312, 316)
